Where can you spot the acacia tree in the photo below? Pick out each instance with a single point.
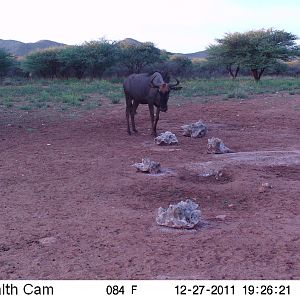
(6, 61)
(135, 57)
(227, 53)
(255, 50)
(179, 65)
(44, 63)
(72, 61)
(99, 56)
(89, 59)
(264, 48)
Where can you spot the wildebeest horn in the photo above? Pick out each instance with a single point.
(152, 84)
(172, 86)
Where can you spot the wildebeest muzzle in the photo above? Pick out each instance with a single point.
(164, 97)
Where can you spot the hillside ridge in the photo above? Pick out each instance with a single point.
(18, 48)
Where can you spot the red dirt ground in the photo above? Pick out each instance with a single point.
(73, 207)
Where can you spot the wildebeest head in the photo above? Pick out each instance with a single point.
(163, 93)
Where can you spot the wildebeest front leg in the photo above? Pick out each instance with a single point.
(156, 118)
(153, 128)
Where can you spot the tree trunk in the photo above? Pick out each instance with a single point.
(236, 71)
(232, 73)
(261, 72)
(257, 73)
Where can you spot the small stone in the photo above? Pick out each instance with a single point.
(221, 217)
(217, 174)
(148, 166)
(194, 130)
(266, 185)
(216, 146)
(166, 138)
(184, 215)
(47, 240)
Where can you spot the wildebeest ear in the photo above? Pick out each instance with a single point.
(176, 88)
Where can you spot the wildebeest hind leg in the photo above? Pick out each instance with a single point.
(128, 111)
(134, 108)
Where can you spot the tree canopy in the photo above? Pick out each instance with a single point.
(43, 63)
(90, 59)
(99, 56)
(6, 61)
(72, 61)
(254, 50)
(136, 57)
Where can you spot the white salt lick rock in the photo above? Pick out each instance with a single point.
(166, 138)
(184, 215)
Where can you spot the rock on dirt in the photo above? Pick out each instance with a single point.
(217, 174)
(194, 130)
(148, 166)
(166, 138)
(221, 217)
(265, 186)
(48, 240)
(216, 146)
(184, 215)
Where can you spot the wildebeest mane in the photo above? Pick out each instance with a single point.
(165, 75)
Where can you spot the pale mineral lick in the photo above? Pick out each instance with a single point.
(194, 130)
(216, 146)
(184, 215)
(148, 166)
(166, 138)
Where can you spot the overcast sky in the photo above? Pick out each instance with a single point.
(178, 26)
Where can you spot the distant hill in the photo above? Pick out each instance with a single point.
(200, 54)
(130, 42)
(21, 49)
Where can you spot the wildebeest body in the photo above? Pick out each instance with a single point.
(146, 89)
(138, 87)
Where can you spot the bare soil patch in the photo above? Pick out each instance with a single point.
(73, 207)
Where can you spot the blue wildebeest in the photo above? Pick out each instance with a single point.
(148, 89)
